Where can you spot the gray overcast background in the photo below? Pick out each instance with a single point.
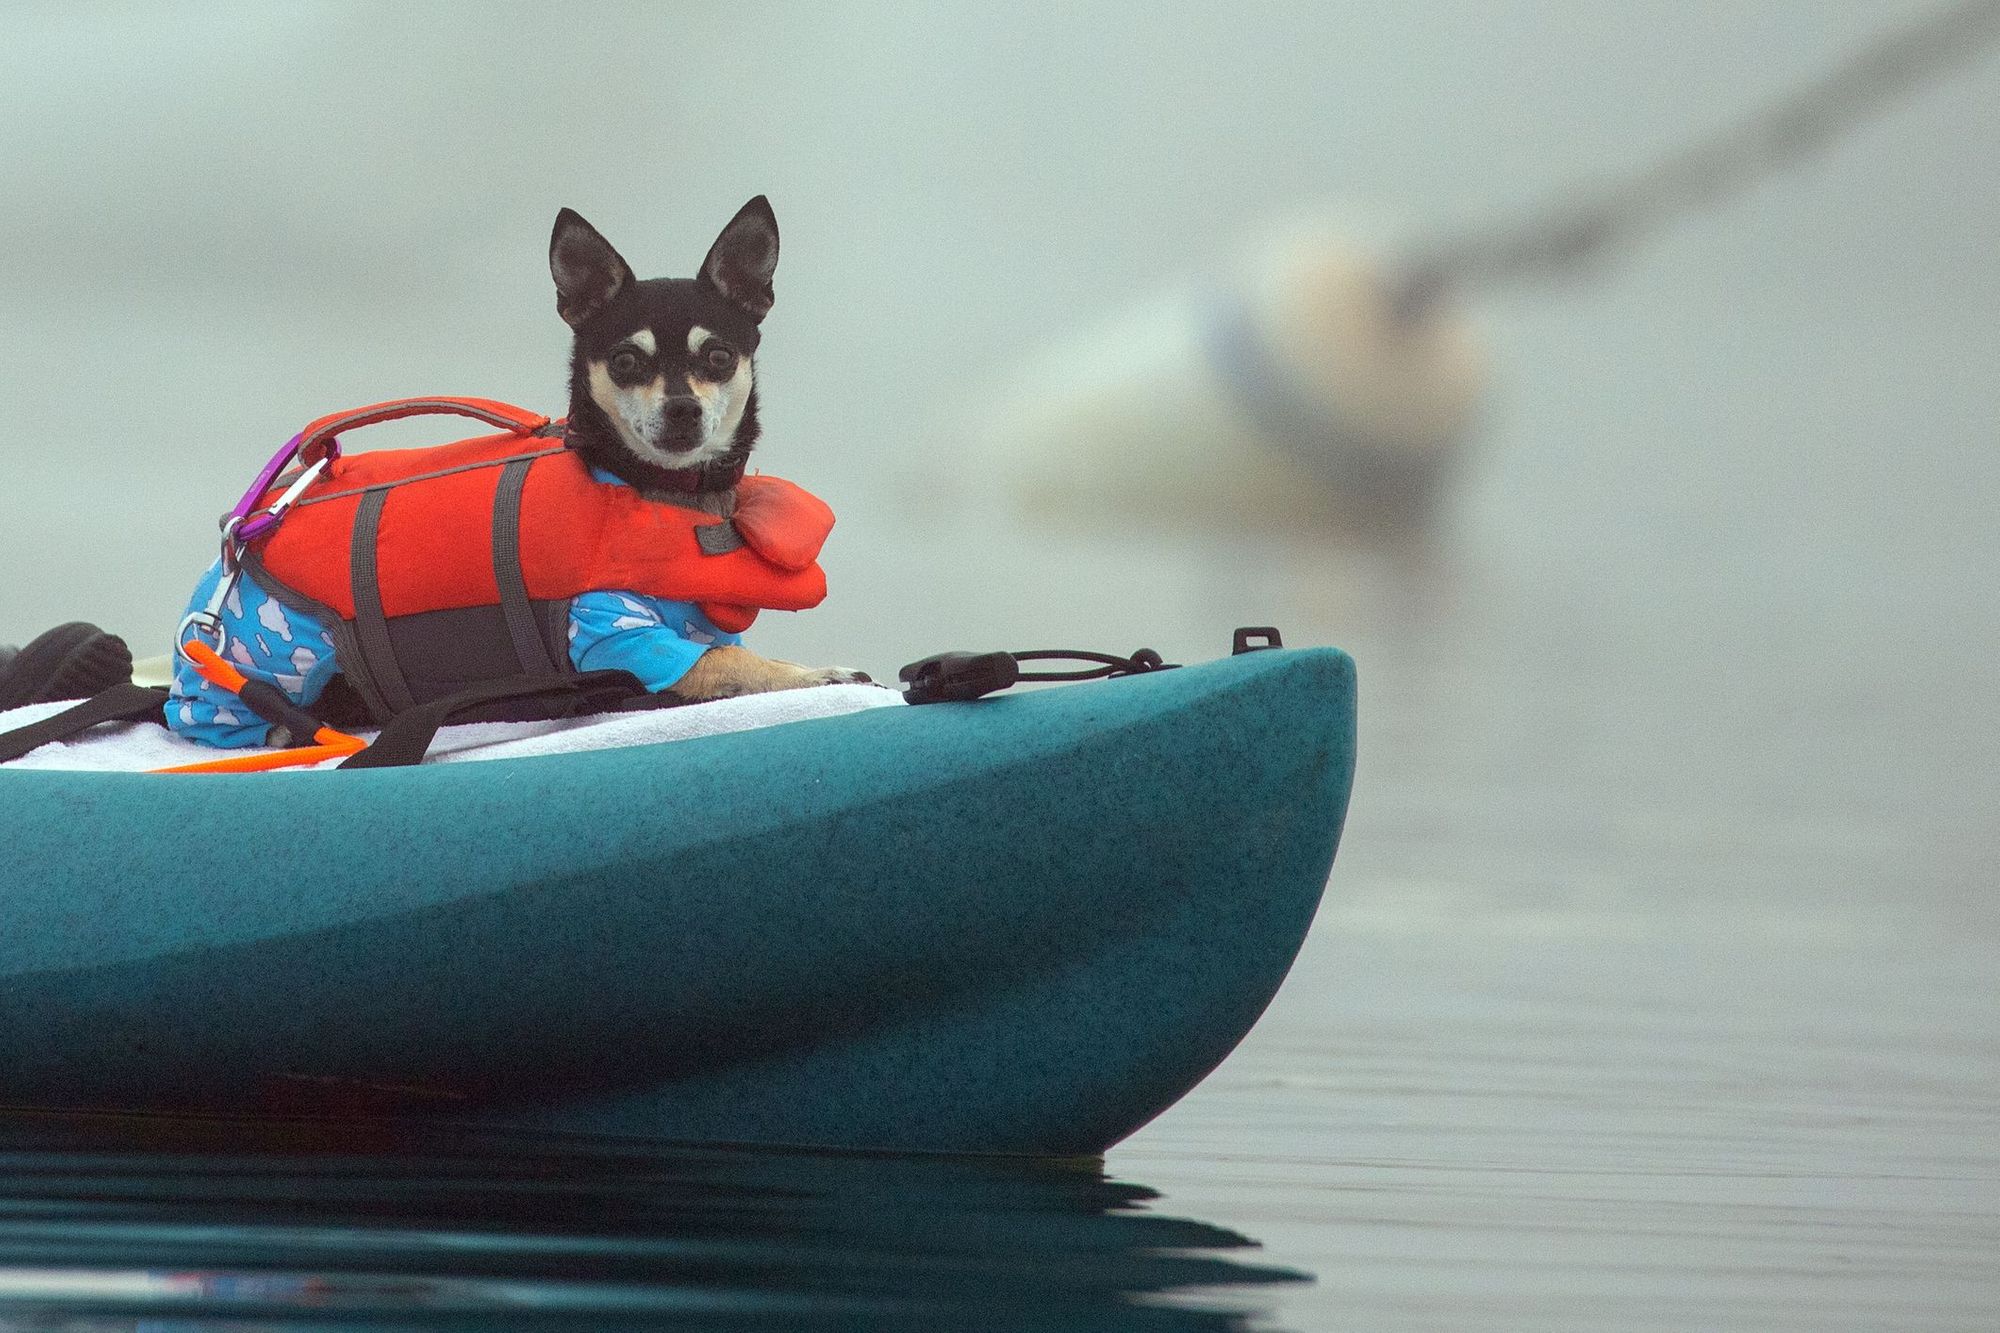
(221, 222)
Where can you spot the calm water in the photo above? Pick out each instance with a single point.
(160, 1227)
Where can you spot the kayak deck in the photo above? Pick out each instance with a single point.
(144, 747)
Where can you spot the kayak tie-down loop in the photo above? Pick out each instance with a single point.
(961, 677)
(1255, 639)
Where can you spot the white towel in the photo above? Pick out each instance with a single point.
(134, 747)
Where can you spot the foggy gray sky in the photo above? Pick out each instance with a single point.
(224, 222)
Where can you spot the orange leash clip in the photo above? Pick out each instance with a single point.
(264, 700)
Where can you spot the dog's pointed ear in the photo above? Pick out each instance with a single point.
(588, 272)
(744, 256)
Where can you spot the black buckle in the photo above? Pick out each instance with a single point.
(958, 677)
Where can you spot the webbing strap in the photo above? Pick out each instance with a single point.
(120, 703)
(718, 538)
(407, 737)
(371, 626)
(529, 649)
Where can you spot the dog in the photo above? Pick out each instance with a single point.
(663, 399)
(663, 379)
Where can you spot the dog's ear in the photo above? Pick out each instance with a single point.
(744, 256)
(588, 272)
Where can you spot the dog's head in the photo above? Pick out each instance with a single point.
(662, 376)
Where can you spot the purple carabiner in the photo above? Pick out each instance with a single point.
(246, 526)
(249, 527)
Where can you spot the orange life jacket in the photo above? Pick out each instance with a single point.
(451, 565)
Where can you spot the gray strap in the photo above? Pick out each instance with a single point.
(529, 648)
(370, 625)
(718, 538)
(554, 617)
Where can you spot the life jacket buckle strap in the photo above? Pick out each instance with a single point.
(718, 538)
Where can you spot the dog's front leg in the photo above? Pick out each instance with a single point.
(725, 671)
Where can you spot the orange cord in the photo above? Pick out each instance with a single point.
(340, 748)
(213, 668)
(330, 744)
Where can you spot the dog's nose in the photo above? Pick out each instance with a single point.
(683, 412)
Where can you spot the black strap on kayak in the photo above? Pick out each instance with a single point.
(407, 737)
(961, 677)
(120, 703)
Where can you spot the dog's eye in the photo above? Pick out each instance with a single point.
(719, 358)
(624, 363)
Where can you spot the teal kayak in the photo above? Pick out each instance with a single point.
(1026, 924)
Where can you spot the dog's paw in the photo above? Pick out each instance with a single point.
(838, 676)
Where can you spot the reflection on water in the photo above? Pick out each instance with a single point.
(135, 1224)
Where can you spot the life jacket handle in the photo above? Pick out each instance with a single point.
(320, 442)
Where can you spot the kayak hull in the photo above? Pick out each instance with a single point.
(1024, 925)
